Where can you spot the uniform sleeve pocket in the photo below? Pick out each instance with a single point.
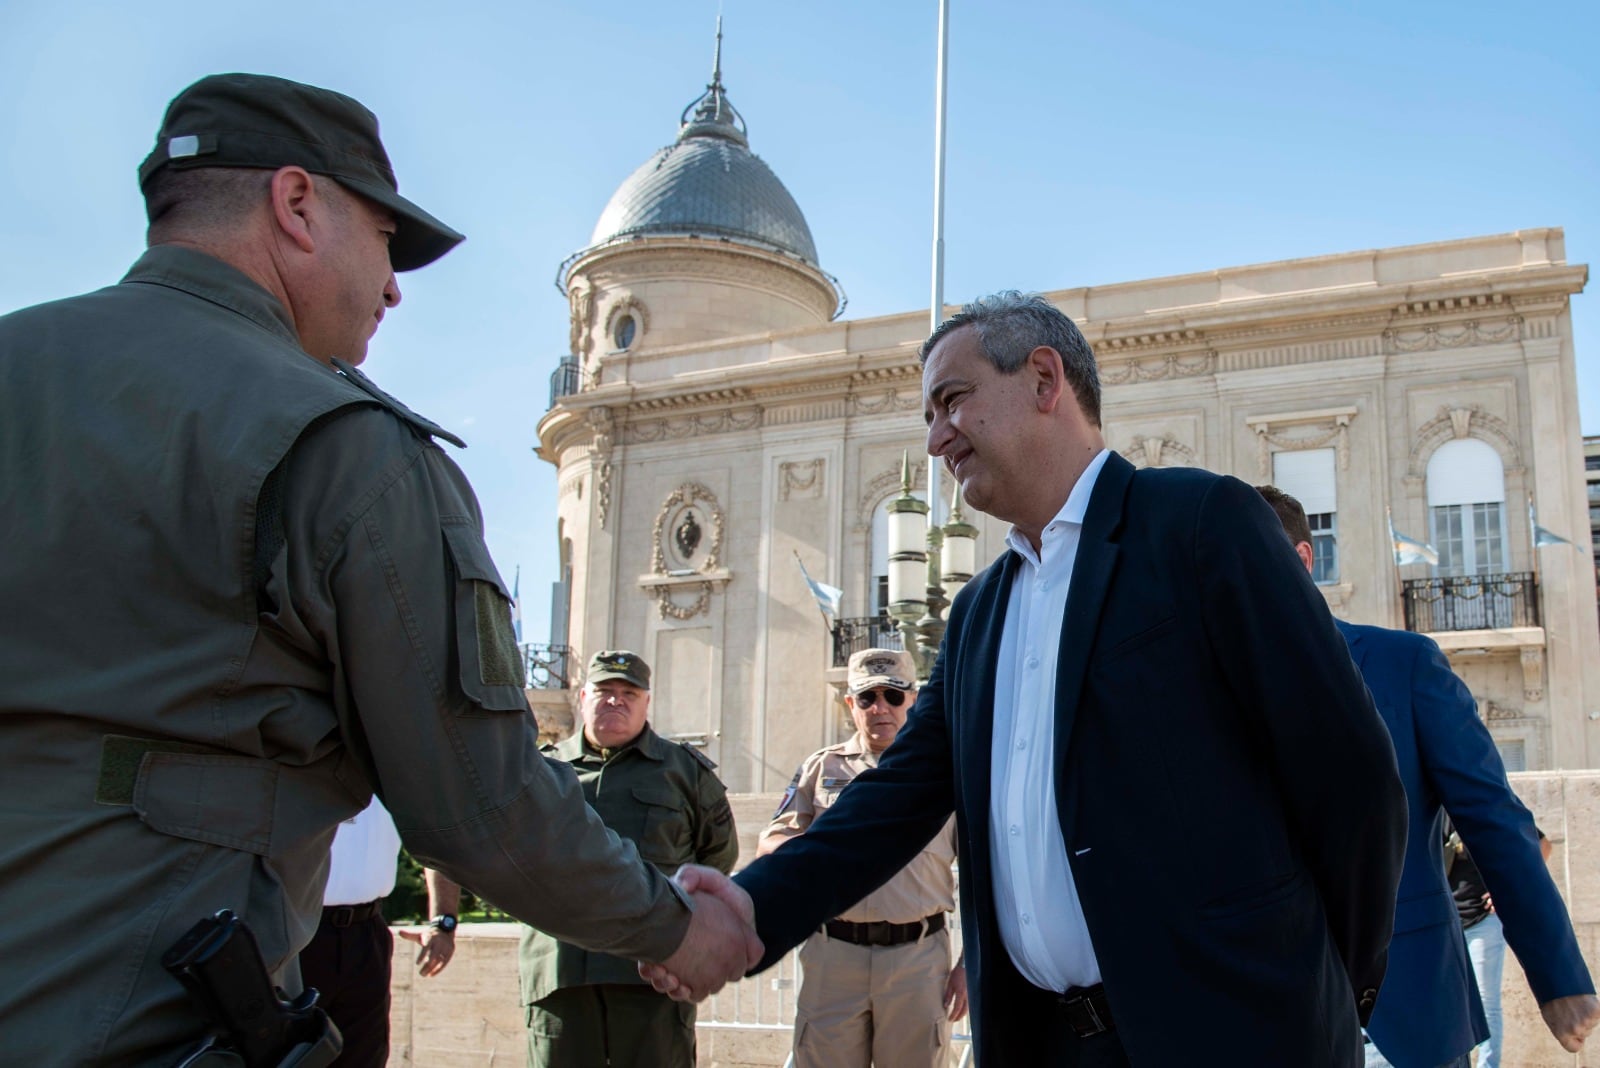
(486, 646)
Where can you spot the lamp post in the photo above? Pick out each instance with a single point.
(928, 566)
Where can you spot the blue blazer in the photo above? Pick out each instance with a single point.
(1227, 794)
(1428, 1010)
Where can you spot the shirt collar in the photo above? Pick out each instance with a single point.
(647, 742)
(211, 279)
(857, 747)
(1073, 511)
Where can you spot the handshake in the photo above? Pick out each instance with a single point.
(721, 944)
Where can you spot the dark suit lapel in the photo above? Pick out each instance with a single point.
(1091, 578)
(975, 706)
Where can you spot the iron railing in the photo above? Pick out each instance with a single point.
(547, 666)
(565, 380)
(863, 632)
(1471, 602)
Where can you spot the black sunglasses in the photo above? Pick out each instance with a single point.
(896, 698)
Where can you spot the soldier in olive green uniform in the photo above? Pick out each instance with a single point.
(877, 986)
(585, 1008)
(244, 589)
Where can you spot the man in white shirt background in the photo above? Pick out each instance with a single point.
(348, 960)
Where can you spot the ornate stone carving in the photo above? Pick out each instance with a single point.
(1157, 452)
(604, 427)
(1155, 368)
(801, 480)
(1327, 426)
(1493, 711)
(1454, 336)
(681, 553)
(693, 426)
(580, 298)
(1532, 673)
(573, 487)
(1469, 421)
(890, 400)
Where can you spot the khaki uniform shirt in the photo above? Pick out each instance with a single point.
(666, 799)
(922, 888)
(243, 591)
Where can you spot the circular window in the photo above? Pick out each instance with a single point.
(622, 334)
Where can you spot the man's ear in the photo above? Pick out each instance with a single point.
(1303, 550)
(1049, 377)
(294, 200)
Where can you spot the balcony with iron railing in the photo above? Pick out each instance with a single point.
(566, 379)
(863, 632)
(1471, 602)
(547, 666)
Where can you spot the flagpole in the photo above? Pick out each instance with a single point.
(936, 306)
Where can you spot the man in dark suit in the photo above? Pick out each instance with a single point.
(1429, 1013)
(1179, 821)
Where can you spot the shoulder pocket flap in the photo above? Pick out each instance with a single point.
(472, 556)
(224, 800)
(488, 661)
(1415, 913)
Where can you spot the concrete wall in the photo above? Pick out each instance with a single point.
(470, 1015)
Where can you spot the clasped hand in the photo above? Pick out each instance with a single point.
(721, 945)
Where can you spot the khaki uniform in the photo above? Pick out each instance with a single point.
(861, 1005)
(666, 799)
(242, 592)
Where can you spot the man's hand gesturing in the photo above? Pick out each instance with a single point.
(721, 945)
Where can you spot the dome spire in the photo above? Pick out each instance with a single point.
(711, 114)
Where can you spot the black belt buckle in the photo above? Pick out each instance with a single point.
(1088, 1012)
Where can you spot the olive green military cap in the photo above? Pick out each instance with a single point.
(619, 664)
(254, 120)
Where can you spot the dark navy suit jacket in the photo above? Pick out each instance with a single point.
(1428, 1010)
(1227, 793)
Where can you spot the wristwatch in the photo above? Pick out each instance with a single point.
(444, 922)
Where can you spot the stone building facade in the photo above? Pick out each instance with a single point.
(715, 421)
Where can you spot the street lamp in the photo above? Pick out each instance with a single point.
(919, 587)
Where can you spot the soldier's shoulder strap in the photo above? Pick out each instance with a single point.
(409, 417)
(694, 751)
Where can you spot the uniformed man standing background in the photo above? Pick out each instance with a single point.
(877, 985)
(243, 589)
(588, 1009)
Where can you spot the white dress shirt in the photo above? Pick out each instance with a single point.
(1036, 901)
(366, 849)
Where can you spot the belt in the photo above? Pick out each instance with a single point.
(882, 933)
(350, 915)
(1087, 1011)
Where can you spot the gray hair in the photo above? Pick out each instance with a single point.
(1011, 324)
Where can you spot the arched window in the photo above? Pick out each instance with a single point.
(878, 596)
(1466, 507)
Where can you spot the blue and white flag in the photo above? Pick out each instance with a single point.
(516, 605)
(1410, 550)
(1541, 536)
(828, 597)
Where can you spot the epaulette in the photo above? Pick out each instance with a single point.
(694, 751)
(411, 418)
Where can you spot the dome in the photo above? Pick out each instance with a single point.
(709, 183)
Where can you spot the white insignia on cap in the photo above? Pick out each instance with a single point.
(880, 665)
(186, 145)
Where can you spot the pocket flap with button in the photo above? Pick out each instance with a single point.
(489, 663)
(665, 838)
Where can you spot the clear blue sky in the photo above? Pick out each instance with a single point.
(1089, 144)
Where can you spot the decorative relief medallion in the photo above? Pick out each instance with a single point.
(627, 305)
(801, 480)
(685, 549)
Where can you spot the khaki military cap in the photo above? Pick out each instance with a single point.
(881, 667)
(253, 120)
(619, 664)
